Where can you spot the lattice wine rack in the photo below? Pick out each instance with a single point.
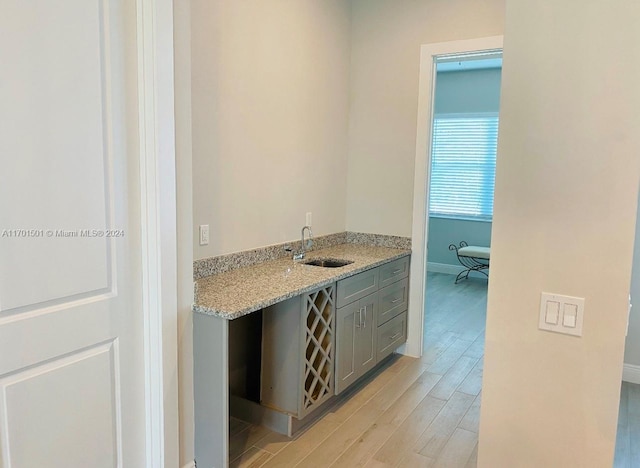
(298, 353)
(319, 348)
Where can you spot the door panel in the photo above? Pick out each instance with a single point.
(71, 326)
(72, 401)
(54, 142)
(366, 348)
(346, 346)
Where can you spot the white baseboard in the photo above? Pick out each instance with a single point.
(191, 464)
(449, 269)
(631, 373)
(445, 268)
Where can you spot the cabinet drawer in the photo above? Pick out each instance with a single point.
(391, 335)
(394, 271)
(356, 287)
(393, 300)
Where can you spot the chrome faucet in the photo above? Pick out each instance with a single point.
(300, 255)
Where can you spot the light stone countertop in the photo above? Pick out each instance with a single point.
(239, 292)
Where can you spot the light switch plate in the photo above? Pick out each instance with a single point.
(552, 312)
(204, 234)
(561, 314)
(309, 219)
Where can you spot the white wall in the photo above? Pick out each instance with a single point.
(386, 38)
(270, 84)
(632, 346)
(269, 91)
(182, 64)
(564, 221)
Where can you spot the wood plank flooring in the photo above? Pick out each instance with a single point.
(628, 438)
(416, 413)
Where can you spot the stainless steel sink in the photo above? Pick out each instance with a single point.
(328, 262)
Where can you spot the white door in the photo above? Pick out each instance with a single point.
(71, 324)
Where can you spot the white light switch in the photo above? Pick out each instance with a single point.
(570, 315)
(561, 314)
(552, 313)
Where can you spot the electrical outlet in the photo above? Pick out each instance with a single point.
(308, 223)
(204, 234)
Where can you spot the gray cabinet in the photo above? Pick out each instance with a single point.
(356, 338)
(298, 356)
(391, 335)
(357, 286)
(371, 319)
(394, 300)
(393, 271)
(316, 345)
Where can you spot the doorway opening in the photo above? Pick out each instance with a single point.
(464, 136)
(450, 318)
(459, 58)
(627, 451)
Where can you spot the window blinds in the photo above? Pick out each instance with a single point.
(463, 166)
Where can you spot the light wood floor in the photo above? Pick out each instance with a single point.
(416, 413)
(628, 438)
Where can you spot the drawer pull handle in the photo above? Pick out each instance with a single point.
(396, 301)
(359, 318)
(365, 317)
(397, 335)
(395, 272)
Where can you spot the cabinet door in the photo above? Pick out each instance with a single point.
(366, 333)
(346, 345)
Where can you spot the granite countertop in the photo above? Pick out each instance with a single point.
(239, 292)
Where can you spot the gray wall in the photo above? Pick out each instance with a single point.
(457, 92)
(632, 345)
(443, 231)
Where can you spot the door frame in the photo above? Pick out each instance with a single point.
(157, 160)
(420, 224)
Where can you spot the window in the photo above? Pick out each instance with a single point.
(463, 166)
